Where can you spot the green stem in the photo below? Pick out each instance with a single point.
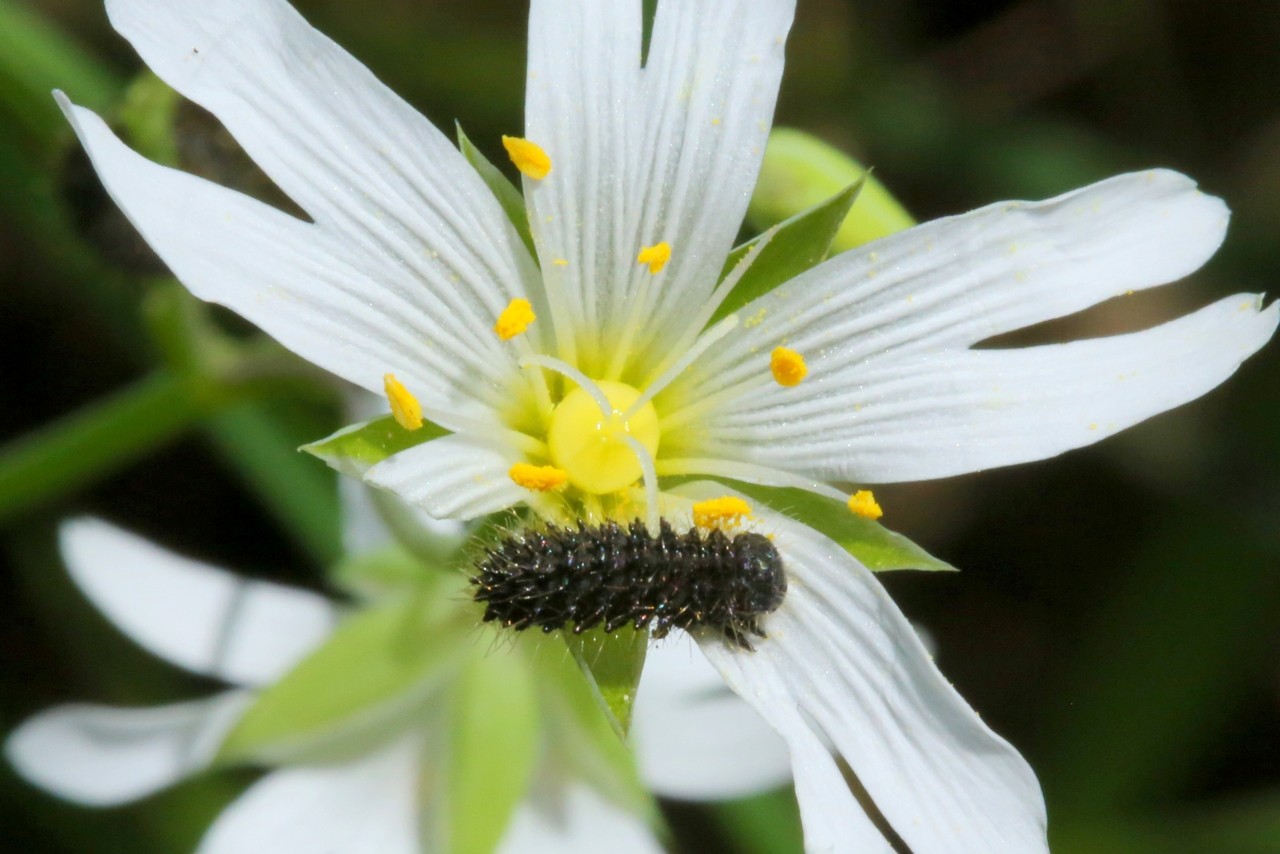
(99, 439)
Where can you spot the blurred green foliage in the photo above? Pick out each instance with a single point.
(1118, 613)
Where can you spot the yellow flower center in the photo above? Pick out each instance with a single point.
(591, 446)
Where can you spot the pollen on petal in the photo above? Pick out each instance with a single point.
(538, 478)
(528, 157)
(863, 503)
(515, 319)
(404, 406)
(788, 366)
(656, 256)
(716, 512)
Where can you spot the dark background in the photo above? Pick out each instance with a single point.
(1118, 616)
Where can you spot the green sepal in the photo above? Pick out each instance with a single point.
(372, 675)
(799, 170)
(875, 546)
(376, 574)
(612, 664)
(794, 246)
(355, 449)
(504, 191)
(494, 741)
(582, 732)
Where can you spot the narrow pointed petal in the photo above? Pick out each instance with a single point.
(192, 614)
(664, 154)
(456, 477)
(956, 281)
(363, 807)
(408, 244)
(102, 756)
(915, 416)
(841, 662)
(578, 821)
(694, 738)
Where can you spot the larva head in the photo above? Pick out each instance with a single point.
(764, 581)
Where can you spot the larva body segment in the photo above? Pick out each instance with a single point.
(579, 578)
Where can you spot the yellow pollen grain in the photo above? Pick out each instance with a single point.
(538, 478)
(788, 366)
(515, 319)
(863, 503)
(560, 262)
(404, 406)
(528, 157)
(656, 256)
(720, 511)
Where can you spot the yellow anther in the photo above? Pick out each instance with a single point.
(538, 478)
(515, 318)
(656, 256)
(716, 512)
(592, 446)
(528, 157)
(404, 406)
(788, 366)
(863, 503)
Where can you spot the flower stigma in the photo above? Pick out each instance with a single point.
(528, 157)
(404, 406)
(593, 447)
(515, 319)
(656, 256)
(538, 478)
(728, 511)
(863, 503)
(787, 366)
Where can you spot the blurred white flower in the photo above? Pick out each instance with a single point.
(250, 633)
(573, 381)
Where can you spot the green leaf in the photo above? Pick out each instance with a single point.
(355, 449)
(493, 747)
(875, 546)
(148, 114)
(794, 246)
(581, 731)
(612, 664)
(35, 58)
(372, 675)
(800, 170)
(506, 193)
(767, 823)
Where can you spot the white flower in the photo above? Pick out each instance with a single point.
(593, 368)
(250, 633)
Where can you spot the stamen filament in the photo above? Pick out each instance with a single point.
(700, 346)
(700, 405)
(584, 382)
(721, 292)
(650, 481)
(749, 472)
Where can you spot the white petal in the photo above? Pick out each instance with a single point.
(912, 416)
(959, 280)
(364, 807)
(410, 259)
(842, 662)
(101, 756)
(190, 613)
(694, 738)
(578, 821)
(668, 153)
(456, 477)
